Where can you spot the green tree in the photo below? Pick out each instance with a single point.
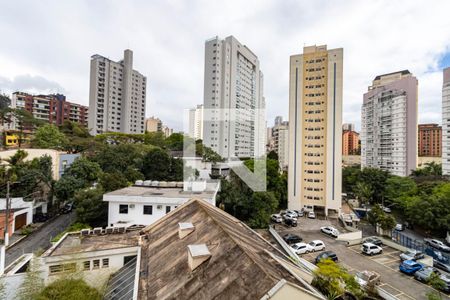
(156, 139)
(123, 158)
(350, 176)
(438, 284)
(112, 181)
(364, 192)
(375, 215)
(85, 170)
(69, 289)
(49, 137)
(156, 164)
(376, 179)
(78, 137)
(175, 142)
(90, 207)
(261, 206)
(81, 174)
(272, 155)
(333, 280)
(431, 169)
(397, 186)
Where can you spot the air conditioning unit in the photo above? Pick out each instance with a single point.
(131, 206)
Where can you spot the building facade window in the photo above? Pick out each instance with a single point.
(148, 209)
(123, 209)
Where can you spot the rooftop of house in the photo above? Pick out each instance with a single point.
(167, 192)
(219, 258)
(74, 243)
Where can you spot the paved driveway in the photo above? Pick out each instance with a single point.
(39, 240)
(395, 282)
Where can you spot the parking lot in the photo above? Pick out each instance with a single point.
(386, 264)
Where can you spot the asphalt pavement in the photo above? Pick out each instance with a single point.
(399, 284)
(40, 239)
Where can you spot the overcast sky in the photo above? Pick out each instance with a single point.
(46, 46)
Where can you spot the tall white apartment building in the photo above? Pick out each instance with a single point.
(315, 133)
(281, 142)
(234, 119)
(446, 122)
(117, 96)
(389, 124)
(196, 122)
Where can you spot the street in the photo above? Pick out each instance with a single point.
(39, 240)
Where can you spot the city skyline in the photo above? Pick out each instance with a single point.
(175, 78)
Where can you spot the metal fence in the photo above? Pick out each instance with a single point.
(419, 245)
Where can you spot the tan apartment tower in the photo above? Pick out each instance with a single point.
(117, 96)
(315, 133)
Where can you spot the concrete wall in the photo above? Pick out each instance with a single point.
(350, 236)
(136, 214)
(94, 277)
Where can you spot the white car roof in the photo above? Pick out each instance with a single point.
(300, 244)
(317, 241)
(369, 244)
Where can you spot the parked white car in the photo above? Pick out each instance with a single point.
(386, 209)
(292, 212)
(276, 218)
(300, 248)
(316, 245)
(371, 249)
(330, 230)
(311, 215)
(290, 215)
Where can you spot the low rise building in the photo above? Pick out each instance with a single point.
(196, 243)
(60, 160)
(20, 215)
(148, 201)
(430, 140)
(54, 109)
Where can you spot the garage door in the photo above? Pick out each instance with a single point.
(21, 220)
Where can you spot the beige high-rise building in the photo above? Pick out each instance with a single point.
(117, 96)
(153, 125)
(315, 134)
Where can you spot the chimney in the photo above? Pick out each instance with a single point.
(197, 254)
(185, 229)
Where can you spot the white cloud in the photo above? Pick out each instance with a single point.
(55, 39)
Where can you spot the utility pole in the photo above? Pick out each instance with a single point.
(6, 240)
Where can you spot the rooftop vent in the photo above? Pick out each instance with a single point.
(147, 183)
(198, 254)
(85, 232)
(185, 229)
(139, 182)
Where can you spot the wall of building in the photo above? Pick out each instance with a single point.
(94, 277)
(430, 140)
(117, 96)
(391, 102)
(233, 99)
(57, 158)
(315, 116)
(446, 122)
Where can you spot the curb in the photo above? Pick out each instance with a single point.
(16, 242)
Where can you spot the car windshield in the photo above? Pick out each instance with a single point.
(312, 244)
(410, 253)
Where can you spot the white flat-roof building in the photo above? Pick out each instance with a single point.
(146, 202)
